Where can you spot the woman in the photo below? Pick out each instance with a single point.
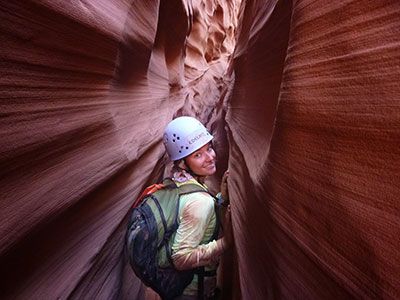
(188, 144)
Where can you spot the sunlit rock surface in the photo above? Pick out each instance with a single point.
(302, 96)
(87, 89)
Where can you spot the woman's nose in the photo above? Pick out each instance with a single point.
(209, 156)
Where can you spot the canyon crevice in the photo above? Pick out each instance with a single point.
(301, 96)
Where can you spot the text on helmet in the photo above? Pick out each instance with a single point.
(197, 137)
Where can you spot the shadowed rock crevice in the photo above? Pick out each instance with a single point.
(174, 25)
(258, 73)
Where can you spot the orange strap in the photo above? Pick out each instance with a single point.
(147, 191)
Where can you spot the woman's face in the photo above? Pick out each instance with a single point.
(202, 161)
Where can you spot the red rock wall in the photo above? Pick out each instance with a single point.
(311, 105)
(314, 150)
(87, 88)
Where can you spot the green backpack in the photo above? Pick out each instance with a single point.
(153, 222)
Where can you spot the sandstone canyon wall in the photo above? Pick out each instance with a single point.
(314, 132)
(302, 96)
(87, 88)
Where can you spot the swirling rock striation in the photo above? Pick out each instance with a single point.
(87, 88)
(314, 150)
(304, 94)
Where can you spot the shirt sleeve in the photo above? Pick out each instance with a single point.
(187, 253)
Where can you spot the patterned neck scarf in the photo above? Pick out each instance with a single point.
(181, 175)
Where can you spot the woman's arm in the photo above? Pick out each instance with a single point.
(187, 253)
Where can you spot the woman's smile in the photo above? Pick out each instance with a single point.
(202, 161)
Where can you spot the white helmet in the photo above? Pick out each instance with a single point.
(183, 136)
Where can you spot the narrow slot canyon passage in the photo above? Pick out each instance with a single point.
(302, 97)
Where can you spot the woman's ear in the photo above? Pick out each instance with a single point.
(182, 164)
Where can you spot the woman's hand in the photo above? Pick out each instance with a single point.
(226, 211)
(224, 187)
(227, 226)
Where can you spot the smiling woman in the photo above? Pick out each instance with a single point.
(202, 161)
(195, 244)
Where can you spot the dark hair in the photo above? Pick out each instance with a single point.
(177, 168)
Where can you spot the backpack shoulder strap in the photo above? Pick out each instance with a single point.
(169, 183)
(184, 188)
(191, 188)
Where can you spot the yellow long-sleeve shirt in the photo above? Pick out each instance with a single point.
(191, 245)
